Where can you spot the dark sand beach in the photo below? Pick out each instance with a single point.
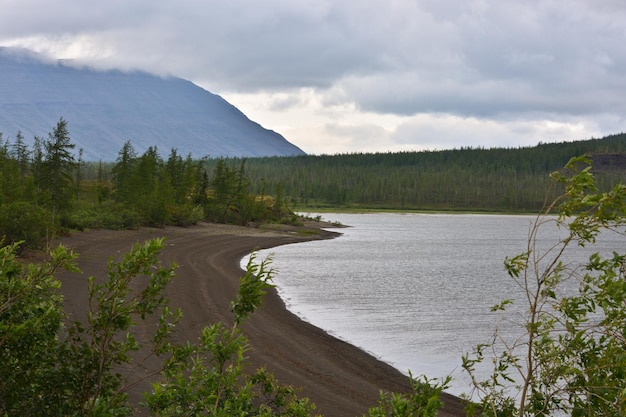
(339, 378)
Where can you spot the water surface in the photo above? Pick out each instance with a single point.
(412, 289)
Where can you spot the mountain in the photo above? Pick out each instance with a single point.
(104, 109)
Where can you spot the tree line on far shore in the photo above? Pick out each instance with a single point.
(470, 179)
(48, 188)
(466, 179)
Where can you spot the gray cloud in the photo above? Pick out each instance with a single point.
(487, 59)
(512, 58)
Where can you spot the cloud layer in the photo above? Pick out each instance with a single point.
(364, 75)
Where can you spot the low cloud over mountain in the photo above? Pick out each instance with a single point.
(104, 109)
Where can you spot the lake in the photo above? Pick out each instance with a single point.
(414, 290)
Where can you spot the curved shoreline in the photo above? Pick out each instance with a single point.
(341, 379)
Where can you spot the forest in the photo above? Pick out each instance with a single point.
(467, 179)
(49, 188)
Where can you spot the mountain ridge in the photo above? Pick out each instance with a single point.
(105, 109)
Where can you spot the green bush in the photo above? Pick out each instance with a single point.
(185, 215)
(25, 222)
(101, 216)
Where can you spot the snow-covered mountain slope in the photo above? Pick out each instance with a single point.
(104, 109)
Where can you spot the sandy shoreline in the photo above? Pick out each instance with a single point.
(339, 378)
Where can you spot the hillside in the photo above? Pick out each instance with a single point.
(105, 109)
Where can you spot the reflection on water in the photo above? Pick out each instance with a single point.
(412, 289)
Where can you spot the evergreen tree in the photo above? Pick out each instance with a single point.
(102, 188)
(182, 175)
(153, 188)
(123, 174)
(59, 166)
(21, 154)
(5, 173)
(79, 173)
(36, 166)
(225, 183)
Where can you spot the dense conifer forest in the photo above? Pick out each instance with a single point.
(474, 179)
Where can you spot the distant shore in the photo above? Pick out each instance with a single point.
(339, 378)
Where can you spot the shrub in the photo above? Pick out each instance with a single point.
(25, 222)
(570, 354)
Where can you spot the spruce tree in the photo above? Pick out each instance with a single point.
(58, 166)
(123, 185)
(21, 154)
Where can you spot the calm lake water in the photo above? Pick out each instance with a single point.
(414, 290)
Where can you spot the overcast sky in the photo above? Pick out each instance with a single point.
(339, 76)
